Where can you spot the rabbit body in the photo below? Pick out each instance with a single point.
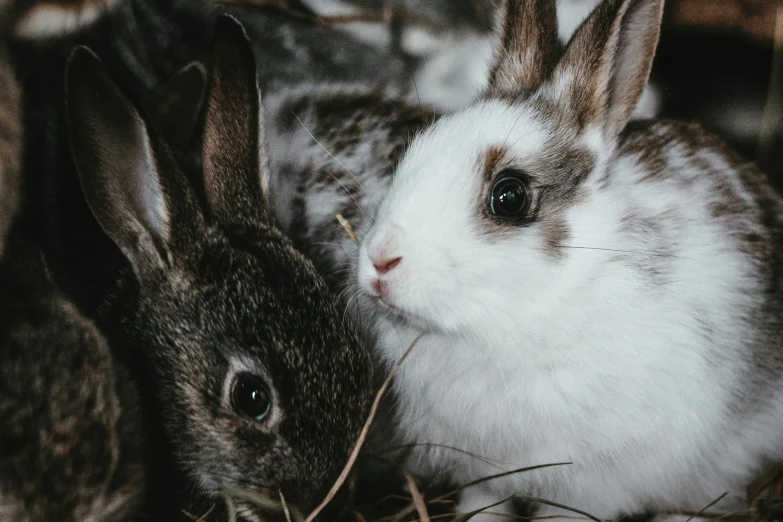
(646, 350)
(69, 446)
(653, 326)
(626, 320)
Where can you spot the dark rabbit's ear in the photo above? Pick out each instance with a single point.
(607, 63)
(527, 50)
(130, 180)
(175, 105)
(234, 167)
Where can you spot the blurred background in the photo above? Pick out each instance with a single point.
(720, 62)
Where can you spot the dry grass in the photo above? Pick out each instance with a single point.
(404, 498)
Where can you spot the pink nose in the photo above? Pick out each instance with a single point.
(386, 265)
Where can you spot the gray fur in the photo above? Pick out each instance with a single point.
(68, 446)
(213, 294)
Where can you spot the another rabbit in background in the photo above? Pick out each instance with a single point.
(69, 444)
(260, 381)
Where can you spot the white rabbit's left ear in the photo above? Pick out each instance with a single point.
(607, 63)
(527, 51)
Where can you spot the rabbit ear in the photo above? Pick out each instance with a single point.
(607, 63)
(119, 159)
(527, 52)
(234, 177)
(175, 105)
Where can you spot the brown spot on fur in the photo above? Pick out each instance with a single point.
(493, 159)
(345, 123)
(556, 234)
(653, 262)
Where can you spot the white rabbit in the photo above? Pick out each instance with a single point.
(595, 292)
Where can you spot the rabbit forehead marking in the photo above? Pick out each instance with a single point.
(555, 178)
(447, 151)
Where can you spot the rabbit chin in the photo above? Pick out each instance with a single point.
(412, 295)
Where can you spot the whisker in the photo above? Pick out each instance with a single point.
(347, 306)
(341, 271)
(511, 130)
(418, 99)
(358, 207)
(635, 252)
(344, 293)
(321, 243)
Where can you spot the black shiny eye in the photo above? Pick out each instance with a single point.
(250, 397)
(509, 198)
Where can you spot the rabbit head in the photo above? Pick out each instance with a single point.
(478, 212)
(261, 383)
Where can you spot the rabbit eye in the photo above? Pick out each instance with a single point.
(509, 198)
(250, 396)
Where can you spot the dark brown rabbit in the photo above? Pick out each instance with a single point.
(68, 446)
(259, 382)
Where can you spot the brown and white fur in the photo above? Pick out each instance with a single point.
(627, 320)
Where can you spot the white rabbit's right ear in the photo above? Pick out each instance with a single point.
(152, 218)
(608, 61)
(527, 51)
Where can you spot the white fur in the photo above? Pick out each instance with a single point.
(532, 359)
(50, 20)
